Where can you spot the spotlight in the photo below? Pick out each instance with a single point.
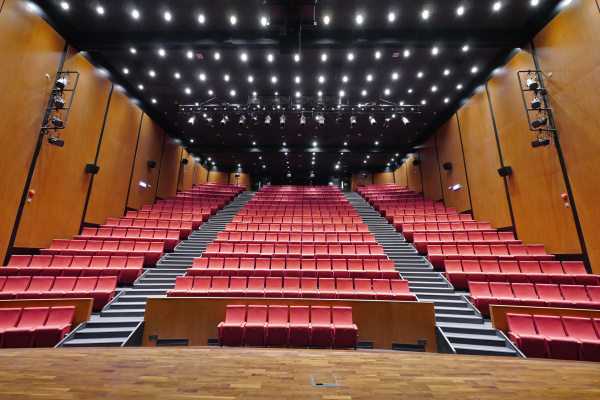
(62, 82)
(405, 120)
(57, 122)
(321, 120)
(209, 121)
(267, 120)
(224, 120)
(540, 143)
(282, 120)
(532, 83)
(191, 120)
(59, 103)
(353, 120)
(539, 123)
(536, 103)
(56, 142)
(302, 120)
(372, 120)
(242, 120)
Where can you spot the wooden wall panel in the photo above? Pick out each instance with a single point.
(218, 177)
(432, 187)
(169, 169)
(108, 198)
(488, 192)
(60, 180)
(356, 181)
(537, 181)
(186, 172)
(449, 148)
(401, 176)
(382, 178)
(244, 179)
(30, 49)
(149, 149)
(201, 175)
(414, 175)
(565, 48)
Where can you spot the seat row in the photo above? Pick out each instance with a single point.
(34, 326)
(408, 230)
(296, 238)
(294, 267)
(422, 240)
(126, 269)
(101, 289)
(298, 327)
(258, 211)
(549, 336)
(240, 219)
(391, 213)
(398, 218)
(163, 220)
(167, 236)
(286, 251)
(185, 228)
(533, 295)
(150, 251)
(193, 208)
(460, 273)
(277, 287)
(328, 227)
(438, 254)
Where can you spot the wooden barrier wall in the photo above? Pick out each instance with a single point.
(244, 179)
(382, 322)
(383, 178)
(186, 172)
(83, 307)
(169, 169)
(432, 186)
(413, 174)
(201, 175)
(355, 181)
(218, 177)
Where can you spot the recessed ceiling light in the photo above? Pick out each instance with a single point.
(395, 76)
(232, 93)
(435, 51)
(133, 50)
(190, 54)
(168, 16)
(423, 102)
(359, 19)
(345, 79)
(391, 17)
(188, 90)
(387, 91)
(253, 143)
(497, 6)
(350, 56)
(270, 57)
(410, 90)
(210, 92)
(152, 73)
(154, 101)
(233, 20)
(135, 14)
(100, 10)
(465, 48)
(162, 52)
(446, 72)
(298, 94)
(263, 21)
(141, 87)
(376, 143)
(446, 100)
(474, 70)
(420, 74)
(369, 78)
(274, 79)
(378, 55)
(321, 79)
(177, 75)
(315, 144)
(406, 53)
(217, 56)
(434, 88)
(244, 57)
(459, 86)
(425, 14)
(297, 57)
(191, 140)
(201, 18)
(535, 2)
(297, 79)
(342, 93)
(64, 5)
(202, 77)
(125, 71)
(320, 93)
(226, 77)
(326, 20)
(250, 79)
(460, 10)
(364, 92)
(324, 57)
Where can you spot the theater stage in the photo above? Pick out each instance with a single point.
(215, 373)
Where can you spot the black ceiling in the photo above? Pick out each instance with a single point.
(448, 77)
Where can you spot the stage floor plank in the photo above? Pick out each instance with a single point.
(214, 373)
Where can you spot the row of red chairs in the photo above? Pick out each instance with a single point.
(321, 327)
(260, 211)
(328, 227)
(101, 289)
(296, 220)
(438, 254)
(443, 227)
(150, 251)
(169, 237)
(196, 216)
(294, 267)
(184, 228)
(193, 209)
(422, 240)
(270, 250)
(295, 238)
(533, 295)
(126, 269)
(34, 326)
(391, 213)
(393, 218)
(277, 287)
(460, 273)
(549, 336)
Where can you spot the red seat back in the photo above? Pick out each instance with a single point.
(235, 314)
(33, 317)
(342, 315)
(60, 316)
(521, 324)
(580, 328)
(320, 315)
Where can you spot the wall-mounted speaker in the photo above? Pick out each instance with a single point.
(151, 164)
(184, 161)
(416, 162)
(447, 166)
(92, 169)
(505, 171)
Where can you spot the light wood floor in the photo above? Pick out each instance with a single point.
(214, 373)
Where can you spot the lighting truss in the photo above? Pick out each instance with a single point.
(58, 102)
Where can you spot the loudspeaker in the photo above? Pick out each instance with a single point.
(416, 162)
(447, 166)
(184, 161)
(92, 169)
(505, 171)
(237, 175)
(151, 164)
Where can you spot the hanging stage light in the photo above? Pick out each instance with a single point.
(56, 141)
(191, 120)
(372, 120)
(536, 103)
(353, 120)
(282, 120)
(209, 121)
(405, 120)
(302, 120)
(532, 83)
(242, 120)
(268, 120)
(57, 122)
(539, 123)
(224, 120)
(62, 82)
(540, 143)
(321, 120)
(59, 102)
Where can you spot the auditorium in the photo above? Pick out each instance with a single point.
(300, 199)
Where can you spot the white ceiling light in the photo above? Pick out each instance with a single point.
(387, 91)
(274, 79)
(263, 21)
(395, 76)
(162, 52)
(324, 57)
(177, 75)
(465, 48)
(326, 20)
(125, 71)
(345, 79)
(350, 56)
(188, 90)
(321, 79)
(250, 79)
(135, 14)
(435, 51)
(342, 93)
(168, 16)
(359, 19)
(226, 77)
(202, 77)
(233, 20)
(100, 10)
(497, 6)
(434, 88)
(378, 55)
(364, 93)
(190, 54)
(446, 72)
(244, 57)
(270, 58)
(232, 93)
(420, 74)
(391, 17)
(297, 79)
(201, 18)
(406, 53)
(460, 10)
(152, 73)
(425, 14)
(133, 50)
(297, 57)
(369, 78)
(217, 56)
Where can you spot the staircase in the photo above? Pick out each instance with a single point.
(121, 322)
(457, 319)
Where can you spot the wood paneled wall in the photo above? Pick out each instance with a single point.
(432, 186)
(169, 169)
(401, 176)
(488, 192)
(149, 149)
(36, 55)
(569, 48)
(201, 175)
(537, 181)
(413, 173)
(186, 172)
(117, 151)
(244, 179)
(449, 148)
(218, 177)
(356, 181)
(384, 177)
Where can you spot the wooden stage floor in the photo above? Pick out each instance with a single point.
(215, 373)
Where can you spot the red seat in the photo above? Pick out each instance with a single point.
(274, 287)
(38, 285)
(519, 252)
(555, 271)
(309, 268)
(320, 326)
(292, 267)
(512, 272)
(522, 331)
(503, 293)
(401, 290)
(527, 294)
(246, 267)
(324, 269)
(215, 266)
(577, 270)
(237, 286)
(533, 272)
(256, 287)
(355, 268)
(299, 328)
(482, 297)
(231, 331)
(277, 326)
(9, 317)
(291, 287)
(199, 287)
(382, 290)
(538, 251)
(255, 329)
(363, 289)
(558, 345)
(345, 332)
(219, 286)
(552, 295)
(56, 327)
(262, 267)
(14, 285)
(230, 267)
(578, 295)
(455, 274)
(22, 335)
(583, 330)
(277, 267)
(327, 288)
